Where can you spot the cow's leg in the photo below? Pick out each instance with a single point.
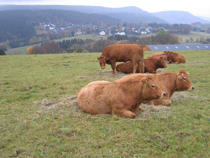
(135, 66)
(154, 72)
(140, 108)
(123, 113)
(150, 71)
(165, 102)
(141, 66)
(113, 65)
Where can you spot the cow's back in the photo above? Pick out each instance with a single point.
(125, 67)
(177, 58)
(157, 56)
(123, 52)
(90, 98)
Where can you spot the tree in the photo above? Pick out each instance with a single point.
(51, 48)
(47, 48)
(2, 52)
(191, 40)
(29, 50)
(160, 37)
(161, 33)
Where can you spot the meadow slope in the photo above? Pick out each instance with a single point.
(40, 117)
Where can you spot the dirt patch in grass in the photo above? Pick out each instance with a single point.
(69, 103)
(109, 76)
(196, 62)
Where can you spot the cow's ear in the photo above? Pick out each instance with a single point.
(159, 60)
(179, 77)
(188, 73)
(144, 82)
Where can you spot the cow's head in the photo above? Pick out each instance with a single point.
(162, 63)
(102, 61)
(151, 90)
(168, 53)
(182, 82)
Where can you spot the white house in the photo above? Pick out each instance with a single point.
(102, 33)
(120, 33)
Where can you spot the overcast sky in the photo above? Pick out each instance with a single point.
(196, 7)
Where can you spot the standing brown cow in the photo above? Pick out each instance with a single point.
(150, 65)
(169, 82)
(123, 52)
(119, 98)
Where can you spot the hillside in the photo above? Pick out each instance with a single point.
(21, 23)
(125, 14)
(183, 17)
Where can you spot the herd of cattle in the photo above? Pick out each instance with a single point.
(124, 96)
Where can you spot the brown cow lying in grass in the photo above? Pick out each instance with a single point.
(173, 58)
(168, 82)
(164, 55)
(150, 65)
(123, 52)
(121, 98)
(176, 58)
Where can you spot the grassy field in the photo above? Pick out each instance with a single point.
(40, 117)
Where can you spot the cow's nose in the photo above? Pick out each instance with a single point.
(193, 88)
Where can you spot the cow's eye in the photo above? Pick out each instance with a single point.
(153, 86)
(185, 78)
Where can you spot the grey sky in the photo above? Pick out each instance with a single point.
(197, 8)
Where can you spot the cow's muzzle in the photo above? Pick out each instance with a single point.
(191, 88)
(163, 95)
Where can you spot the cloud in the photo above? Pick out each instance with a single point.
(154, 6)
(16, 2)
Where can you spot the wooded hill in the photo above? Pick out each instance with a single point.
(20, 23)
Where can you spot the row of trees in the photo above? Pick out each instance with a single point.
(89, 45)
(47, 48)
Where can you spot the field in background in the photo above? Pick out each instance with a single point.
(193, 35)
(40, 116)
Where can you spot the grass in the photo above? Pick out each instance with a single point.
(40, 116)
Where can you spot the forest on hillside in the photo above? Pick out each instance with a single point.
(28, 27)
(19, 24)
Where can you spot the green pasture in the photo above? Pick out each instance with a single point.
(40, 117)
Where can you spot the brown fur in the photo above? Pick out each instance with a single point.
(150, 65)
(119, 97)
(123, 52)
(168, 82)
(165, 55)
(176, 58)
